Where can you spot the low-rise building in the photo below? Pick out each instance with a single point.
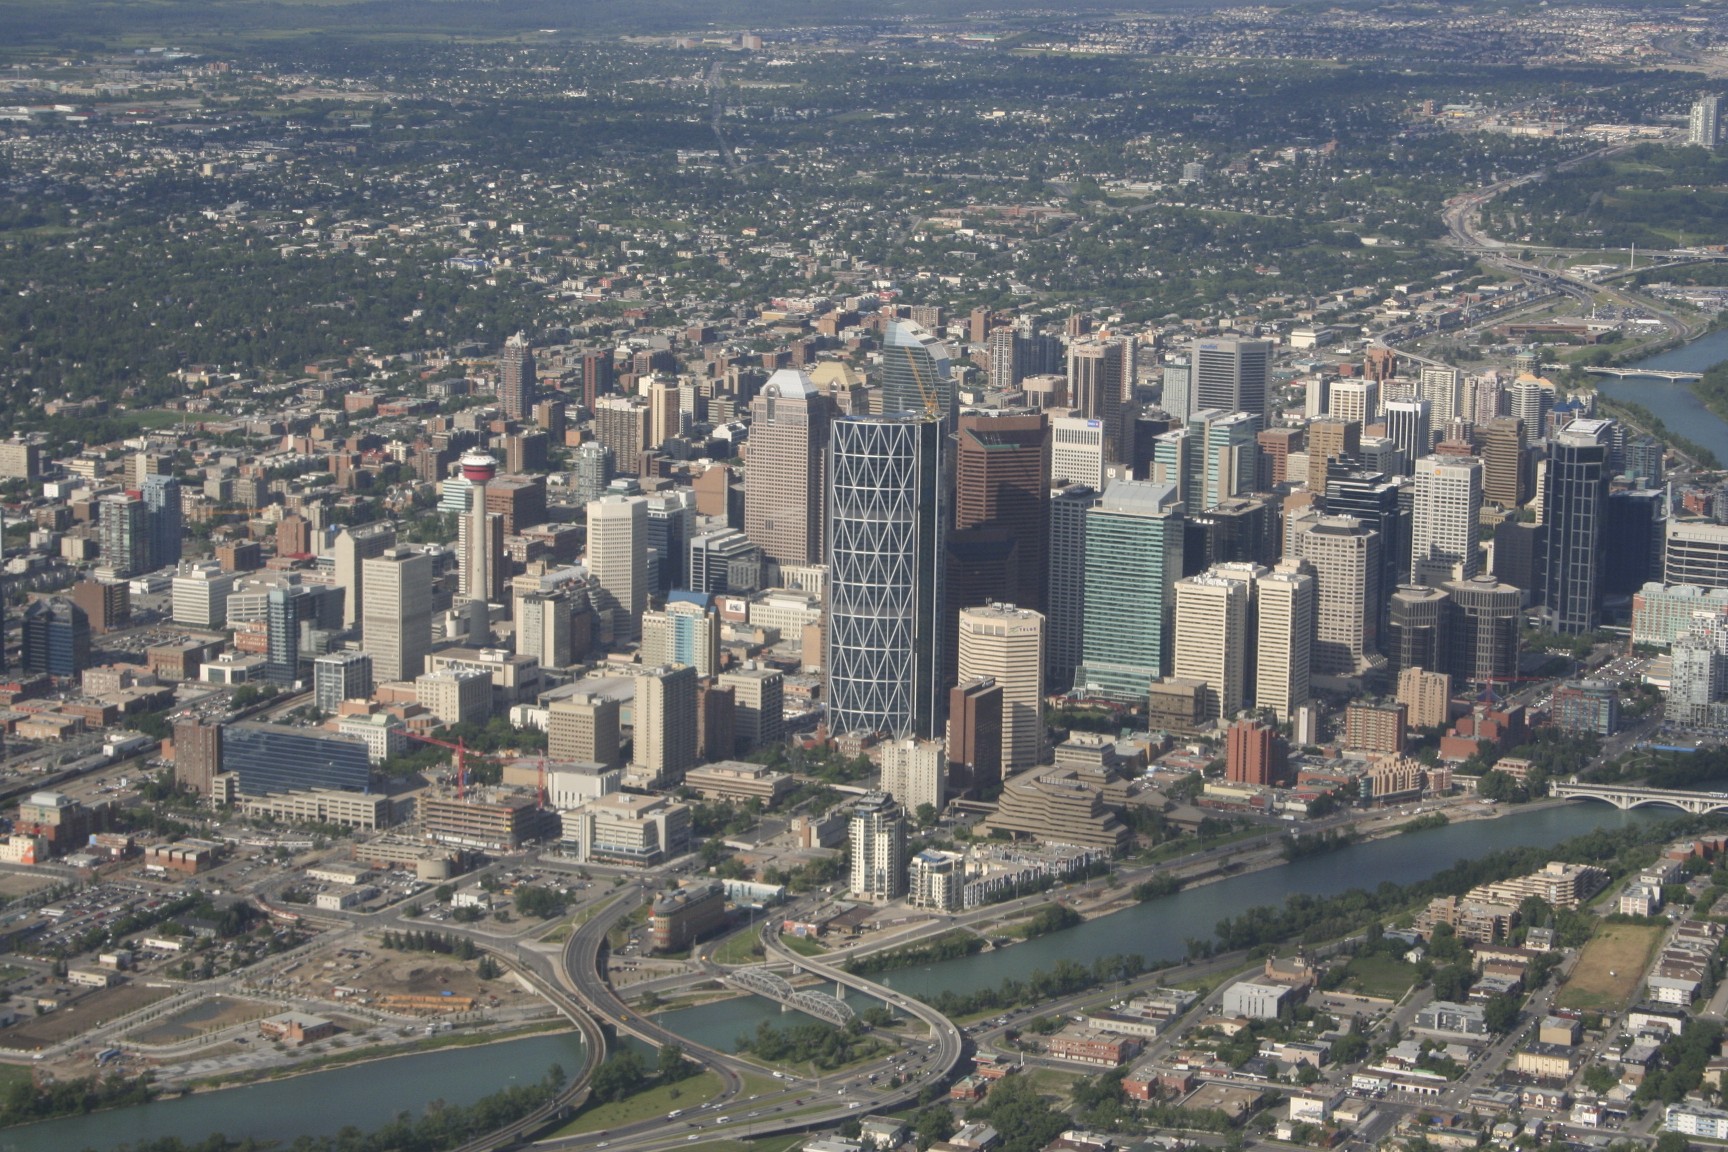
(737, 781)
(685, 915)
(1091, 1046)
(296, 1028)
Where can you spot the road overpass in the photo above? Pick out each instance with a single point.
(1624, 797)
(943, 1033)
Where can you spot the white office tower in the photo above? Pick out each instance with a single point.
(1077, 451)
(915, 772)
(396, 628)
(1445, 519)
(1357, 401)
(876, 835)
(1212, 625)
(886, 515)
(1006, 644)
(1284, 631)
(1705, 126)
(1409, 425)
(618, 559)
(1178, 397)
(200, 594)
(1232, 375)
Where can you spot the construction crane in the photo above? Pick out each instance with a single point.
(461, 751)
(931, 408)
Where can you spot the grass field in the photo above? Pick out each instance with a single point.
(1383, 976)
(804, 946)
(766, 1144)
(11, 1074)
(1611, 967)
(739, 948)
(655, 1101)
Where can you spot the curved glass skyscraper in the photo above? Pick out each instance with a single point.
(885, 522)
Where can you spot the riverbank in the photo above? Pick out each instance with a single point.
(370, 1054)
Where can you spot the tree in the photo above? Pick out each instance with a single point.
(933, 1123)
(1500, 1013)
(672, 1066)
(621, 1075)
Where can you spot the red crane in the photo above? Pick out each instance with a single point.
(461, 751)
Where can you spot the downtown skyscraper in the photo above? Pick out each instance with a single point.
(783, 473)
(1232, 375)
(887, 512)
(1573, 513)
(917, 372)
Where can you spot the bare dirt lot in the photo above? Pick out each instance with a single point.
(80, 1015)
(205, 1016)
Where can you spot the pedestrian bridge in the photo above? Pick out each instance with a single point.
(1697, 803)
(763, 982)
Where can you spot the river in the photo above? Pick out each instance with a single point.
(367, 1095)
(1674, 403)
(1159, 929)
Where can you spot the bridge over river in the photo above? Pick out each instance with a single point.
(1623, 797)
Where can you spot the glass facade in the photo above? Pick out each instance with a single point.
(270, 758)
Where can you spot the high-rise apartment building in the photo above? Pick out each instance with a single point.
(1443, 388)
(886, 519)
(197, 755)
(1006, 644)
(1233, 375)
(1345, 555)
(686, 631)
(621, 423)
(876, 837)
(1065, 622)
(1704, 126)
(1573, 513)
(162, 519)
(1134, 542)
(915, 773)
(663, 743)
(917, 372)
(396, 627)
(339, 676)
(1445, 519)
(1254, 754)
(595, 468)
(618, 559)
(122, 533)
(1214, 636)
(516, 378)
(1002, 486)
(783, 473)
